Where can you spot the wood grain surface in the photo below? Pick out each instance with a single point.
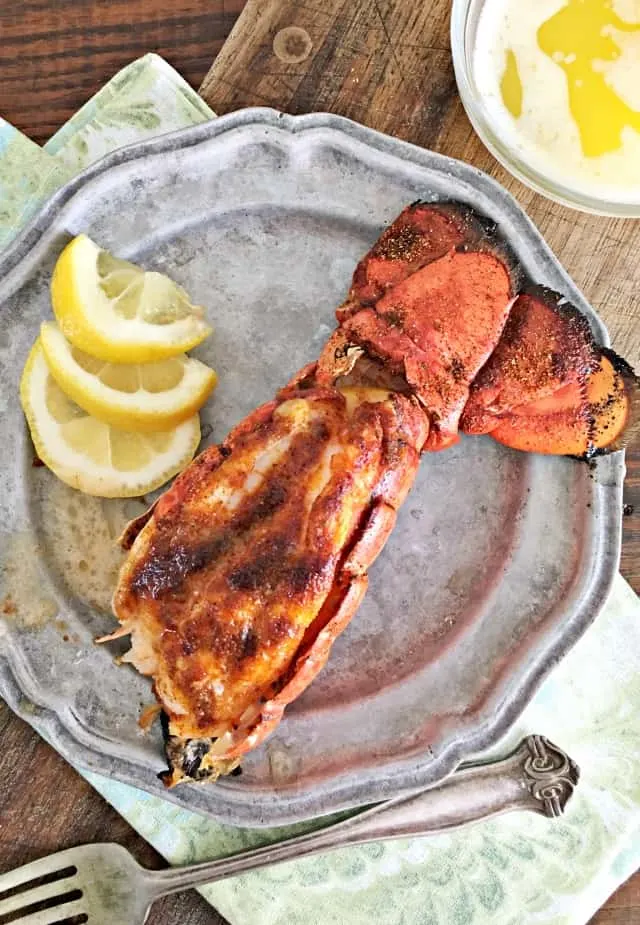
(55, 54)
(45, 806)
(386, 64)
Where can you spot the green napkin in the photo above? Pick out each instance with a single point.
(516, 870)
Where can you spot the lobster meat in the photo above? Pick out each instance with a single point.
(243, 573)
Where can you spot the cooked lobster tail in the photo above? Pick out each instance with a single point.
(434, 304)
(548, 387)
(422, 233)
(429, 301)
(256, 559)
(242, 575)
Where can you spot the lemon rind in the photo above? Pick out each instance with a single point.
(143, 412)
(75, 470)
(143, 343)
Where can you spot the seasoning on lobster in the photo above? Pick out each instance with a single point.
(244, 572)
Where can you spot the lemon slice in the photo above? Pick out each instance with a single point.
(119, 313)
(93, 456)
(141, 397)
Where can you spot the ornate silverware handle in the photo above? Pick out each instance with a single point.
(538, 777)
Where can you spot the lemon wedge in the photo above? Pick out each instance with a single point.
(90, 455)
(117, 312)
(144, 397)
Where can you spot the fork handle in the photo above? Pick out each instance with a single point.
(538, 776)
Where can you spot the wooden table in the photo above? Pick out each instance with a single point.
(385, 63)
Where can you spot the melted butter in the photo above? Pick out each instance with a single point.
(23, 601)
(357, 395)
(75, 545)
(511, 85)
(79, 535)
(581, 38)
(560, 84)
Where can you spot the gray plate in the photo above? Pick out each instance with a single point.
(499, 561)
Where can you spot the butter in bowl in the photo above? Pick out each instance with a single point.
(553, 90)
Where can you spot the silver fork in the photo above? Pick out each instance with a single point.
(103, 885)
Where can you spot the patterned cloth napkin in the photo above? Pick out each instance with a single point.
(517, 870)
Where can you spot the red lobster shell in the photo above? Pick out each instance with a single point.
(242, 575)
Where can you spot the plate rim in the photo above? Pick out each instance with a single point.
(222, 802)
